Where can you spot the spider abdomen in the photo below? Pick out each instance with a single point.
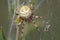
(25, 12)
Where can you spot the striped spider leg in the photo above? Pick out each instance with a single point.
(35, 24)
(17, 30)
(22, 30)
(20, 24)
(17, 11)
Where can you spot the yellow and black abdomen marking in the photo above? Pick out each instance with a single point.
(18, 20)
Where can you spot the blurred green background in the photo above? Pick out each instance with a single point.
(53, 15)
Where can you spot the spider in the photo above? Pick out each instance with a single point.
(25, 13)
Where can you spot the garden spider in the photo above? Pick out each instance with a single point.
(25, 13)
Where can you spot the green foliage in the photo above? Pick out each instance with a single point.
(2, 35)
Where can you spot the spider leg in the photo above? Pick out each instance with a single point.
(37, 17)
(22, 30)
(36, 26)
(31, 5)
(17, 30)
(17, 11)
